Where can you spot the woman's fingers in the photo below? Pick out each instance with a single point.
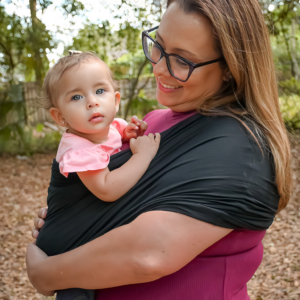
(34, 233)
(38, 223)
(43, 212)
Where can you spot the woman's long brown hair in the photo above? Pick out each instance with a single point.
(243, 39)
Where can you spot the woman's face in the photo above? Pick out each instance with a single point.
(190, 36)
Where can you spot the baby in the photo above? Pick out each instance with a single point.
(81, 96)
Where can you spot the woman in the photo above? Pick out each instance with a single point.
(175, 254)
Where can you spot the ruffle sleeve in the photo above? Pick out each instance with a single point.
(120, 125)
(84, 159)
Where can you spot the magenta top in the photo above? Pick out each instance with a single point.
(221, 272)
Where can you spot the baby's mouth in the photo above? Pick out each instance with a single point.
(96, 117)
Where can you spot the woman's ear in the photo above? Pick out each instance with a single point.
(117, 100)
(227, 75)
(57, 116)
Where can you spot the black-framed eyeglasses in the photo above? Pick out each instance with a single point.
(179, 67)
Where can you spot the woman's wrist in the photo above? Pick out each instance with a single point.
(37, 262)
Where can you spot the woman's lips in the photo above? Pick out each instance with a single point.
(167, 88)
(96, 118)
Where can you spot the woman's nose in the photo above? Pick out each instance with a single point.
(161, 68)
(92, 102)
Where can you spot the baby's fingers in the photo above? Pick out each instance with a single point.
(143, 126)
(135, 120)
(132, 126)
(157, 138)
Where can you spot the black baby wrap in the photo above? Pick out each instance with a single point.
(208, 168)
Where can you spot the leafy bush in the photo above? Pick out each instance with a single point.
(290, 102)
(30, 140)
(290, 108)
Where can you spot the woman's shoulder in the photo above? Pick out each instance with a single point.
(231, 132)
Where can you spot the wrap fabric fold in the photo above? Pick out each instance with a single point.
(208, 168)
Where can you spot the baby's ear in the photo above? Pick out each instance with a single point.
(57, 116)
(117, 100)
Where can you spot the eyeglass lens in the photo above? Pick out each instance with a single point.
(178, 67)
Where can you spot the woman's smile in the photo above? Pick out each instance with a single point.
(168, 88)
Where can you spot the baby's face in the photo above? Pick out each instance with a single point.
(86, 97)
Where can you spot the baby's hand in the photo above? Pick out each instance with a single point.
(145, 145)
(134, 129)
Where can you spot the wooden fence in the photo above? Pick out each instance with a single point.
(29, 94)
(35, 113)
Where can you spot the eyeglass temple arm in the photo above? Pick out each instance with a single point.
(209, 62)
(152, 29)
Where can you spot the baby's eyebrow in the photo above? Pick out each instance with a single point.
(101, 83)
(72, 91)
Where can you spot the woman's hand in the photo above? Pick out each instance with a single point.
(39, 221)
(35, 258)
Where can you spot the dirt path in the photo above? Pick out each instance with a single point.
(23, 190)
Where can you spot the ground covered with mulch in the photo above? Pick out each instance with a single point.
(23, 190)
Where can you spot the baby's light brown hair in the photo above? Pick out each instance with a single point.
(55, 73)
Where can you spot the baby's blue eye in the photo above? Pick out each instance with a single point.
(76, 97)
(100, 91)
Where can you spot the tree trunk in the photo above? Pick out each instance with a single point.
(293, 52)
(38, 65)
(134, 86)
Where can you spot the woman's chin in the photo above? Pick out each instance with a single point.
(167, 101)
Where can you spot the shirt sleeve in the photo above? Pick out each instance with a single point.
(120, 125)
(82, 160)
(75, 154)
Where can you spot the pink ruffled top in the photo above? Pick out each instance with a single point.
(77, 154)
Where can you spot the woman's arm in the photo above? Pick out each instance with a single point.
(110, 186)
(154, 245)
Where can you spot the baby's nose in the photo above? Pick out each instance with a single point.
(93, 103)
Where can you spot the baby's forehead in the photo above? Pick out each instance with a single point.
(101, 64)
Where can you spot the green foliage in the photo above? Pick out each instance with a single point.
(290, 102)
(72, 7)
(13, 38)
(28, 140)
(290, 108)
(283, 23)
(141, 106)
(94, 37)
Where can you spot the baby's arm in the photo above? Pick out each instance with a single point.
(110, 186)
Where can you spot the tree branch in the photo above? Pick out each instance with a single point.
(133, 87)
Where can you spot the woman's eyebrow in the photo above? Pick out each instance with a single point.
(177, 49)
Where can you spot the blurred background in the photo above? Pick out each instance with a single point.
(34, 34)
